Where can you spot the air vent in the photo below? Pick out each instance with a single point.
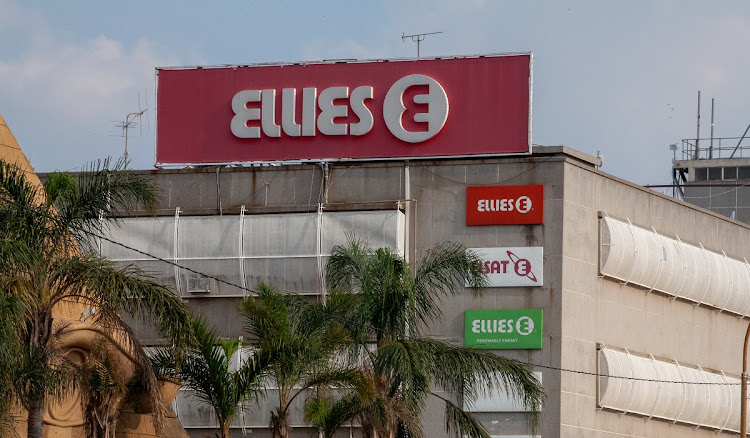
(198, 285)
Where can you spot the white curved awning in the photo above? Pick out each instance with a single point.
(646, 258)
(667, 390)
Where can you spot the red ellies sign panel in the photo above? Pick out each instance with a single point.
(354, 110)
(504, 205)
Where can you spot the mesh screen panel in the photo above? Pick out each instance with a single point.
(286, 250)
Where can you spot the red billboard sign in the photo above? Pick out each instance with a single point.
(504, 205)
(353, 110)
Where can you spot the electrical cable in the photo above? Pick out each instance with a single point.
(343, 319)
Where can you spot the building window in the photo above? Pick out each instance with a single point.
(701, 174)
(730, 173)
(714, 173)
(743, 172)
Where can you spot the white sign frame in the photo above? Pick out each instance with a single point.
(513, 266)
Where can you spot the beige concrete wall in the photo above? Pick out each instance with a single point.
(440, 215)
(601, 310)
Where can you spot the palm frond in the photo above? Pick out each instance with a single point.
(60, 185)
(33, 377)
(443, 271)
(10, 312)
(204, 367)
(15, 189)
(347, 265)
(471, 373)
(104, 189)
(328, 415)
(302, 337)
(394, 306)
(97, 282)
(250, 375)
(459, 423)
(102, 382)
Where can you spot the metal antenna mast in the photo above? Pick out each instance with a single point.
(130, 123)
(417, 38)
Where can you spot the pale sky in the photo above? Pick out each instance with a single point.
(620, 77)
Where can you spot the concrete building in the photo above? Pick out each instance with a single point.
(714, 174)
(642, 296)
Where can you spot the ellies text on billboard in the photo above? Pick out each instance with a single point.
(393, 109)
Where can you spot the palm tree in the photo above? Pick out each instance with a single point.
(102, 384)
(329, 412)
(205, 367)
(394, 307)
(47, 263)
(10, 312)
(304, 339)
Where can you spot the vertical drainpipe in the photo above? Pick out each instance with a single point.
(407, 226)
(743, 390)
(218, 192)
(319, 236)
(241, 245)
(177, 251)
(407, 214)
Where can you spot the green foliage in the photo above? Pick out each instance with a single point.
(328, 413)
(102, 384)
(393, 305)
(46, 258)
(204, 366)
(304, 338)
(10, 312)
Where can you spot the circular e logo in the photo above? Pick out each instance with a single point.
(523, 204)
(524, 325)
(436, 115)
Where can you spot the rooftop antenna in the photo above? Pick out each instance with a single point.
(698, 129)
(130, 122)
(417, 38)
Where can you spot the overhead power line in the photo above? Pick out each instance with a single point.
(343, 319)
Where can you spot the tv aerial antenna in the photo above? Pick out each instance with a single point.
(132, 120)
(417, 38)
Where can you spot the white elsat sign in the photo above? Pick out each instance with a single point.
(512, 266)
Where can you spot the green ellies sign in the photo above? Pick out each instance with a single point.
(503, 329)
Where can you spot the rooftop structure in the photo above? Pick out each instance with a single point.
(714, 174)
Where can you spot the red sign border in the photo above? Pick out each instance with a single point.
(539, 214)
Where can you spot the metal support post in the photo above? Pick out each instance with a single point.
(743, 392)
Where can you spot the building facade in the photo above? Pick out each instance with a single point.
(634, 302)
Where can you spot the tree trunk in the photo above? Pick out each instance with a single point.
(36, 418)
(280, 424)
(368, 431)
(225, 429)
